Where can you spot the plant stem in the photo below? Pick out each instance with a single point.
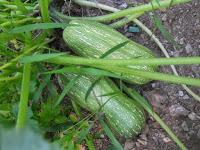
(123, 62)
(153, 75)
(122, 13)
(23, 104)
(44, 4)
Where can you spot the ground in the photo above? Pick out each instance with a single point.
(178, 109)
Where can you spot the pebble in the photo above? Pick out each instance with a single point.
(188, 48)
(198, 134)
(129, 144)
(185, 126)
(180, 93)
(164, 17)
(102, 136)
(143, 142)
(167, 140)
(123, 6)
(192, 116)
(186, 97)
(177, 110)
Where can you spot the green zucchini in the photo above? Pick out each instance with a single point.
(125, 116)
(92, 39)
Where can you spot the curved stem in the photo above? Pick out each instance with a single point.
(122, 13)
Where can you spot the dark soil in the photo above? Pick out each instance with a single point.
(178, 109)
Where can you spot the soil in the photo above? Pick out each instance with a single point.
(178, 109)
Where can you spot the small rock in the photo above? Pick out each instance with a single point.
(198, 134)
(185, 126)
(129, 144)
(143, 137)
(180, 93)
(188, 48)
(177, 110)
(143, 142)
(137, 144)
(123, 6)
(102, 136)
(167, 140)
(153, 85)
(181, 41)
(156, 99)
(164, 18)
(186, 97)
(192, 116)
(191, 132)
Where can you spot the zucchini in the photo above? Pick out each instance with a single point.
(92, 39)
(125, 116)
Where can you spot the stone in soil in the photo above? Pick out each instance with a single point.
(177, 110)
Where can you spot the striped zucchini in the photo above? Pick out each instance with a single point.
(92, 39)
(125, 117)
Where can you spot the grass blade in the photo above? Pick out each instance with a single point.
(39, 57)
(66, 90)
(113, 49)
(23, 104)
(39, 26)
(91, 87)
(83, 71)
(44, 5)
(110, 134)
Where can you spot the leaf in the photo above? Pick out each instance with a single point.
(90, 143)
(91, 87)
(39, 57)
(84, 133)
(164, 31)
(113, 49)
(23, 140)
(39, 26)
(109, 133)
(66, 90)
(38, 92)
(83, 70)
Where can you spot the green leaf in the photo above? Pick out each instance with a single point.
(113, 49)
(164, 31)
(84, 133)
(39, 26)
(38, 92)
(83, 71)
(91, 87)
(66, 90)
(39, 57)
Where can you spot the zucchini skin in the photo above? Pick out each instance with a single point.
(125, 116)
(92, 39)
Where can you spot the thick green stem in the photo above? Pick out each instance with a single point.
(122, 62)
(23, 104)
(122, 13)
(153, 75)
